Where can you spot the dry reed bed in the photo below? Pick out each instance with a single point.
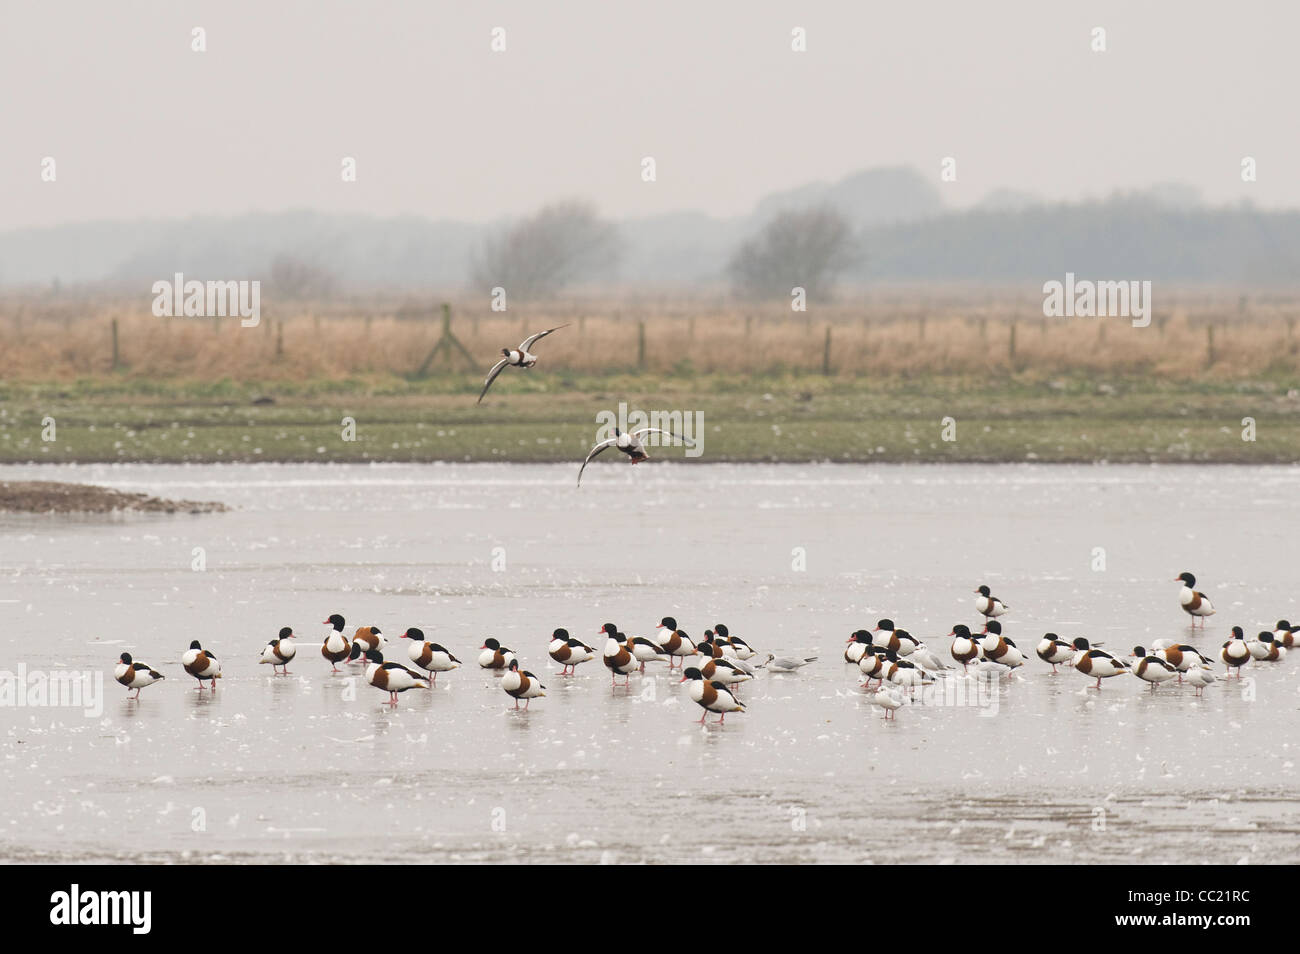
(1213, 336)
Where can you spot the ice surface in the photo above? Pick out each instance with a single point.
(313, 766)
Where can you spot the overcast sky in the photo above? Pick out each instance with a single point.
(142, 127)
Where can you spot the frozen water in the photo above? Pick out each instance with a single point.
(313, 766)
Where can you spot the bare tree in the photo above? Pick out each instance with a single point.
(559, 244)
(806, 248)
(293, 278)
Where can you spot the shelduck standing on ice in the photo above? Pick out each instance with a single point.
(135, 675)
(1096, 663)
(391, 677)
(617, 657)
(719, 669)
(336, 647)
(645, 650)
(1195, 604)
(988, 605)
(677, 644)
(1052, 649)
(733, 645)
(430, 657)
(710, 696)
(1265, 648)
(857, 646)
(872, 665)
(494, 655)
(568, 651)
(904, 672)
(521, 685)
(1179, 655)
(1284, 634)
(888, 636)
(1152, 668)
(965, 647)
(1235, 653)
(369, 637)
(709, 647)
(201, 665)
(997, 648)
(280, 651)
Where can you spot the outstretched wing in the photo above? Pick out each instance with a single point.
(492, 376)
(655, 430)
(529, 342)
(596, 452)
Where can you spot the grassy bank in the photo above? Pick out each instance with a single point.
(552, 417)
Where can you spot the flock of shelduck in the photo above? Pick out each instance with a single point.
(897, 661)
(722, 661)
(891, 657)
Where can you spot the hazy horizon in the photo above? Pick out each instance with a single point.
(143, 128)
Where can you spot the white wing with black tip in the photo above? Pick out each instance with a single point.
(492, 376)
(533, 339)
(596, 452)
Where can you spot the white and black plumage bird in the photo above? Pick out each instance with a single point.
(280, 651)
(729, 672)
(431, 657)
(630, 444)
(1194, 603)
(997, 648)
(568, 651)
(516, 358)
(1096, 663)
(135, 675)
(988, 605)
(1052, 649)
(201, 664)
(1152, 668)
(1179, 655)
(733, 645)
(617, 655)
(519, 684)
(1265, 648)
(965, 646)
(390, 676)
(711, 695)
(1235, 653)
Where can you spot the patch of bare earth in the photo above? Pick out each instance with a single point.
(43, 496)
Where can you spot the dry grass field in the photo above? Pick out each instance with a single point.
(895, 333)
(863, 380)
